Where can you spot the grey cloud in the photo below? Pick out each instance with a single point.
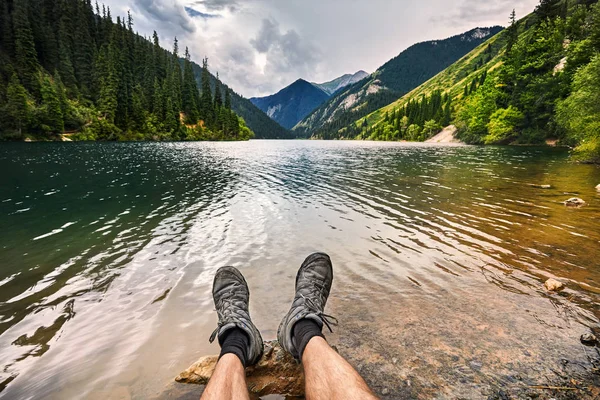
(219, 5)
(268, 35)
(170, 13)
(285, 51)
(475, 11)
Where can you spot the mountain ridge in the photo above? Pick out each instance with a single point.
(392, 80)
(292, 103)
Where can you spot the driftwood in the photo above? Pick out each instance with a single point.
(276, 373)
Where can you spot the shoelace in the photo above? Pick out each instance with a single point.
(328, 320)
(226, 304)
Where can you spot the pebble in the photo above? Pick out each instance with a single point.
(394, 360)
(385, 391)
(598, 188)
(574, 202)
(589, 339)
(553, 285)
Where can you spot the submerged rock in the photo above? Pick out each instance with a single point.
(553, 285)
(276, 373)
(589, 339)
(575, 202)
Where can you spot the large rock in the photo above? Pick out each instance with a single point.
(574, 202)
(276, 373)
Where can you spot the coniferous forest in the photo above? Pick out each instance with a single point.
(69, 70)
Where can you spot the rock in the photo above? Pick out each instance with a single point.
(553, 285)
(276, 373)
(598, 188)
(589, 339)
(385, 391)
(574, 202)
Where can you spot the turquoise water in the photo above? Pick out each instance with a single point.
(107, 252)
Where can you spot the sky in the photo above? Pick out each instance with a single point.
(260, 46)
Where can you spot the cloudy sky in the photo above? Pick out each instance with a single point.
(260, 46)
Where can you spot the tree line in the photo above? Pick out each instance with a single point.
(67, 67)
(547, 86)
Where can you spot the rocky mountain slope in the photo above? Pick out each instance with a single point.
(292, 103)
(343, 81)
(394, 79)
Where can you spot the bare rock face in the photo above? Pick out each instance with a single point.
(553, 285)
(276, 373)
(574, 202)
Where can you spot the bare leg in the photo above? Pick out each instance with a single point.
(228, 382)
(329, 376)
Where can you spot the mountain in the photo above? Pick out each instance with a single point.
(391, 81)
(292, 103)
(343, 81)
(262, 126)
(536, 81)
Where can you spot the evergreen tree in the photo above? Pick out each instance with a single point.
(17, 107)
(189, 92)
(26, 55)
(52, 116)
(218, 97)
(206, 101)
(7, 41)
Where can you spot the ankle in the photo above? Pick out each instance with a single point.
(235, 341)
(304, 331)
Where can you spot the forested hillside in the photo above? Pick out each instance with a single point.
(391, 81)
(541, 83)
(66, 67)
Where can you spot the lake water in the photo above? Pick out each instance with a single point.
(107, 254)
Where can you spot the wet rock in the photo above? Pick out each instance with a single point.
(553, 285)
(574, 202)
(589, 339)
(276, 373)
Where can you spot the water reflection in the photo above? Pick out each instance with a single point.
(108, 251)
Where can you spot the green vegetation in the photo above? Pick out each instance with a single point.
(391, 81)
(68, 68)
(538, 80)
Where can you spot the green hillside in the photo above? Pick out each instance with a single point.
(68, 68)
(392, 80)
(538, 80)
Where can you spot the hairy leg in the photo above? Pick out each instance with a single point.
(228, 381)
(329, 376)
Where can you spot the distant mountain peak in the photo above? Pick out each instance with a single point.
(343, 81)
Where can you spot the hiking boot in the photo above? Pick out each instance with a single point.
(313, 284)
(231, 296)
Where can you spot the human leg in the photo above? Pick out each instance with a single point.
(328, 375)
(228, 381)
(241, 342)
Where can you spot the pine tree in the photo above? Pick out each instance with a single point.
(189, 92)
(206, 101)
(52, 112)
(218, 97)
(512, 32)
(227, 99)
(548, 8)
(7, 41)
(17, 107)
(26, 55)
(107, 102)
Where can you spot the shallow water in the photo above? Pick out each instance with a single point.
(107, 253)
